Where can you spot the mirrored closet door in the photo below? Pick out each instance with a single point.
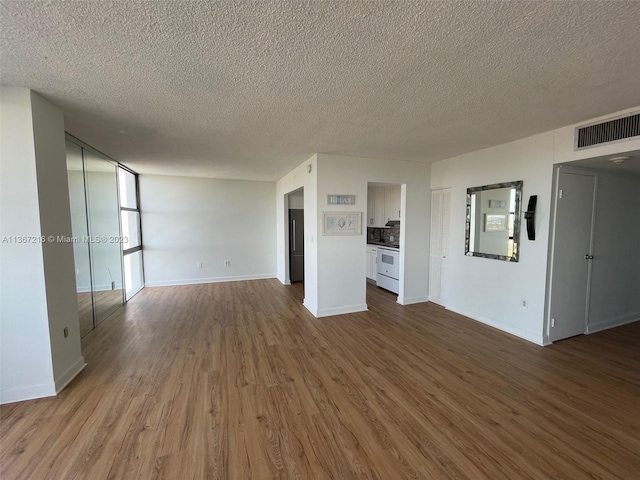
(98, 234)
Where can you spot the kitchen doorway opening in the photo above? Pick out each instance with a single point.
(295, 201)
(383, 225)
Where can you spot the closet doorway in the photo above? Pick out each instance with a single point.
(594, 268)
(439, 241)
(106, 237)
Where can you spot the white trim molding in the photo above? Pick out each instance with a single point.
(613, 322)
(70, 374)
(327, 312)
(412, 300)
(524, 334)
(196, 281)
(27, 392)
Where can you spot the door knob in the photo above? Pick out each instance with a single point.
(588, 257)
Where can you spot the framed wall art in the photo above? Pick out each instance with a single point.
(333, 199)
(341, 223)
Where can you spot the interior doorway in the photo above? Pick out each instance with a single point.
(439, 244)
(594, 265)
(296, 236)
(95, 218)
(384, 240)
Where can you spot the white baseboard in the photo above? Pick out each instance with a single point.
(70, 374)
(197, 281)
(436, 301)
(327, 312)
(312, 308)
(412, 300)
(613, 322)
(525, 335)
(32, 392)
(29, 392)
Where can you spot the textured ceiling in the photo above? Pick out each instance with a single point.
(251, 89)
(629, 167)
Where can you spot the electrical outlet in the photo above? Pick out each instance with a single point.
(553, 322)
(199, 264)
(524, 302)
(227, 263)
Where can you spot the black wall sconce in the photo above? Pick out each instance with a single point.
(530, 217)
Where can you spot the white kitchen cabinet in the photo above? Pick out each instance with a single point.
(383, 204)
(392, 203)
(378, 207)
(371, 207)
(372, 262)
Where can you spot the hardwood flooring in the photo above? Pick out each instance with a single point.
(239, 381)
(106, 302)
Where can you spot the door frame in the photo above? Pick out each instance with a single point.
(291, 236)
(557, 170)
(287, 247)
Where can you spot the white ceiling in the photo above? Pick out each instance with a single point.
(251, 89)
(631, 166)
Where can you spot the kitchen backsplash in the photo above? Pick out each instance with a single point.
(383, 235)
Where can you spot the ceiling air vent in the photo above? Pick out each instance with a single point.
(616, 130)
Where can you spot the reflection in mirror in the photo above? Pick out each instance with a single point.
(79, 229)
(104, 228)
(95, 223)
(493, 221)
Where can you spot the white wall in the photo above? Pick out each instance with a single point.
(37, 293)
(488, 290)
(189, 220)
(297, 178)
(55, 220)
(27, 371)
(335, 269)
(615, 279)
(296, 200)
(341, 259)
(491, 290)
(564, 140)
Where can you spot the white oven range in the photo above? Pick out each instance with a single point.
(388, 268)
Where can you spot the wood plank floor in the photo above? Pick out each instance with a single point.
(106, 302)
(239, 381)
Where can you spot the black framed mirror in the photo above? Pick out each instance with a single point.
(493, 221)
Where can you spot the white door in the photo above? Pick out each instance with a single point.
(572, 255)
(439, 248)
(444, 244)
